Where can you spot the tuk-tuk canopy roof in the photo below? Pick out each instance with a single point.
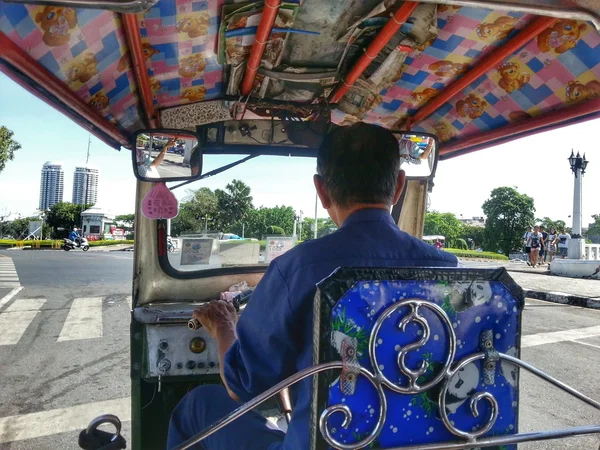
(474, 76)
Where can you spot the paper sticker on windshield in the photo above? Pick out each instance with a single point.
(196, 251)
(277, 246)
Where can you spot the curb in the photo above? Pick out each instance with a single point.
(564, 299)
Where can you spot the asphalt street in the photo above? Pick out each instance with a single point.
(64, 347)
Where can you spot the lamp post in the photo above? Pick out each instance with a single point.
(578, 165)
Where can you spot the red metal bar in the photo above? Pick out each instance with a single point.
(131, 28)
(495, 57)
(387, 32)
(11, 53)
(262, 36)
(583, 111)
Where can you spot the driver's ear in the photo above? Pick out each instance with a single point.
(322, 191)
(400, 182)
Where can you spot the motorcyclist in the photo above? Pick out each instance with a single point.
(75, 237)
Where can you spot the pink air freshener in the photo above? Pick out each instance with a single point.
(160, 203)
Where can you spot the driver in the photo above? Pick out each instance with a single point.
(75, 237)
(358, 180)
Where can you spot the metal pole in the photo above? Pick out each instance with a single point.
(577, 203)
(243, 230)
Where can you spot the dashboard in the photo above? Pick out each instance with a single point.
(172, 348)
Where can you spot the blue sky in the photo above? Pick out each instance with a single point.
(536, 165)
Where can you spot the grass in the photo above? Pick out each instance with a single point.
(473, 254)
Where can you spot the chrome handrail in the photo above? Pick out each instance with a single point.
(121, 6)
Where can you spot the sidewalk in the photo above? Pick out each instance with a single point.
(539, 284)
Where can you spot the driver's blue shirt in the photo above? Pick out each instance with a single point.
(73, 235)
(275, 330)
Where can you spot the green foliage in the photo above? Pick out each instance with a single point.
(508, 214)
(445, 224)
(324, 227)
(65, 215)
(234, 202)
(473, 235)
(594, 230)
(461, 244)
(8, 147)
(472, 254)
(127, 219)
(259, 220)
(549, 224)
(194, 210)
(18, 228)
(274, 230)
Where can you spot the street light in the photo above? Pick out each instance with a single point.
(577, 163)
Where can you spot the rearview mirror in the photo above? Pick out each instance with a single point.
(166, 155)
(418, 153)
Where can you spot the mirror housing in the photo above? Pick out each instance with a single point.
(163, 155)
(419, 153)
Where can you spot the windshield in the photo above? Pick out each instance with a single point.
(245, 216)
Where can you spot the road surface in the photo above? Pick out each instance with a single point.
(66, 356)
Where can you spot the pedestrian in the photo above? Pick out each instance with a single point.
(526, 237)
(542, 257)
(438, 244)
(535, 242)
(551, 244)
(563, 243)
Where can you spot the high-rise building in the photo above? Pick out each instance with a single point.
(52, 185)
(85, 186)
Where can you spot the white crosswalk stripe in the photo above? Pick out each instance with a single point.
(17, 317)
(8, 274)
(83, 320)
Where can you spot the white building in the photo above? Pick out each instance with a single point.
(52, 185)
(85, 186)
(96, 222)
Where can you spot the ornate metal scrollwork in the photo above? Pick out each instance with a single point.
(473, 402)
(326, 414)
(414, 315)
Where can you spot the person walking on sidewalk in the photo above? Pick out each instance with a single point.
(563, 243)
(543, 247)
(526, 237)
(535, 242)
(551, 244)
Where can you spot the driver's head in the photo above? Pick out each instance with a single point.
(358, 166)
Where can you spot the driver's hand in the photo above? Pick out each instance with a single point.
(216, 315)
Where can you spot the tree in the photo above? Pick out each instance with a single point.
(473, 235)
(324, 227)
(234, 202)
(8, 147)
(549, 224)
(594, 230)
(508, 214)
(257, 221)
(445, 224)
(65, 215)
(126, 219)
(195, 211)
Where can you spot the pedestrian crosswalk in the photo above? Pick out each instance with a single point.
(84, 319)
(8, 274)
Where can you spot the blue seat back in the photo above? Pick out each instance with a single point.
(410, 329)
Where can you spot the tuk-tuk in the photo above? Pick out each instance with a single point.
(175, 82)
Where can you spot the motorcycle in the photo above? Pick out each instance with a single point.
(68, 244)
(170, 245)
